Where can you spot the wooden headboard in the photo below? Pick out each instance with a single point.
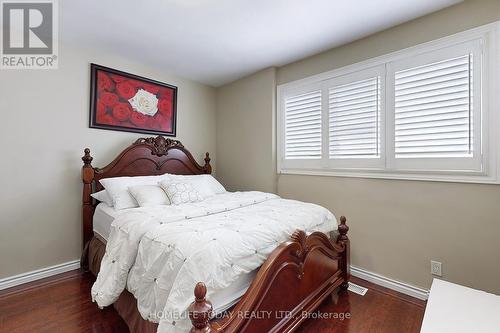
(145, 157)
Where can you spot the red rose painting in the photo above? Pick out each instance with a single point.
(108, 99)
(127, 102)
(125, 90)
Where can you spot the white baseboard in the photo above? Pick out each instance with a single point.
(17, 280)
(380, 280)
(386, 282)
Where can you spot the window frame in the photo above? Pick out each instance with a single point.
(487, 39)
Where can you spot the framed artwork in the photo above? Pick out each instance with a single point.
(125, 102)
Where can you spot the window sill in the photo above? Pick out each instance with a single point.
(463, 177)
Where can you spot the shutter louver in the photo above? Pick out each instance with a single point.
(433, 110)
(354, 111)
(303, 126)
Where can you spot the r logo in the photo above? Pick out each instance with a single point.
(28, 28)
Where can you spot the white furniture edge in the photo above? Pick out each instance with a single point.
(23, 278)
(389, 283)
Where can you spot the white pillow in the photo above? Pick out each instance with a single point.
(117, 189)
(206, 185)
(149, 195)
(214, 184)
(180, 193)
(103, 196)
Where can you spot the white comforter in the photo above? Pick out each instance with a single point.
(160, 254)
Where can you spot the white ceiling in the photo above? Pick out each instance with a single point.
(218, 41)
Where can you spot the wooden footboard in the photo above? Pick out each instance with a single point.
(294, 280)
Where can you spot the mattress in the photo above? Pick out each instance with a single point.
(104, 215)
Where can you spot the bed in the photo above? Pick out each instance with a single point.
(312, 262)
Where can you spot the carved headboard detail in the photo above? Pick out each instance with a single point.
(159, 145)
(145, 157)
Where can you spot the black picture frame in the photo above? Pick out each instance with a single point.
(93, 123)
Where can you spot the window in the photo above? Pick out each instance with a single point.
(303, 126)
(437, 109)
(419, 113)
(354, 118)
(433, 111)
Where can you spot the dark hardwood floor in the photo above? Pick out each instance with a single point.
(62, 304)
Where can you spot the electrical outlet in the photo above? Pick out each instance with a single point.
(436, 268)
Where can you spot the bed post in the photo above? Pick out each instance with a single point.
(87, 208)
(345, 264)
(207, 166)
(200, 311)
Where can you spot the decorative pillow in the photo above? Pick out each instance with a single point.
(206, 185)
(149, 195)
(117, 189)
(180, 193)
(103, 196)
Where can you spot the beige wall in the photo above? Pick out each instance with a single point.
(43, 132)
(245, 122)
(466, 15)
(397, 227)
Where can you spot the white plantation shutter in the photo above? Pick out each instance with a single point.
(433, 110)
(303, 126)
(354, 111)
(422, 113)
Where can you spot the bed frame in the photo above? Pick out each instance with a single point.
(293, 281)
